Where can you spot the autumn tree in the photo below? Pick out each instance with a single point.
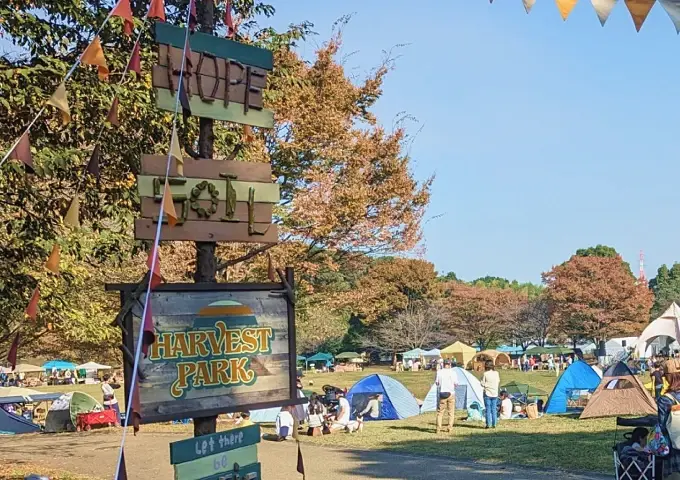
(666, 288)
(596, 298)
(482, 315)
(533, 322)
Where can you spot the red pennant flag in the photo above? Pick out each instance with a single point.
(149, 334)
(32, 308)
(12, 354)
(93, 164)
(22, 152)
(229, 21)
(192, 16)
(135, 64)
(123, 10)
(157, 10)
(112, 116)
(300, 462)
(136, 407)
(156, 278)
(121, 474)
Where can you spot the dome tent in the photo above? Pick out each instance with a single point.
(578, 376)
(397, 402)
(498, 358)
(468, 390)
(64, 411)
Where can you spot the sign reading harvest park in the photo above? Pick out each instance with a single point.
(219, 348)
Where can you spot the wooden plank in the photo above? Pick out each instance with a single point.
(205, 168)
(204, 446)
(145, 229)
(249, 472)
(220, 47)
(264, 192)
(216, 110)
(215, 464)
(237, 70)
(262, 211)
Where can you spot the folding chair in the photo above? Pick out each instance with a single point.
(636, 469)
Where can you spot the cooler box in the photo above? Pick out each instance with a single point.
(85, 421)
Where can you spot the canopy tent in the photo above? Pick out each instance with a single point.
(516, 388)
(619, 393)
(397, 402)
(434, 353)
(11, 423)
(301, 358)
(587, 348)
(579, 377)
(92, 366)
(64, 411)
(59, 365)
(414, 354)
(510, 350)
(320, 357)
(612, 347)
(10, 395)
(667, 325)
(560, 350)
(498, 358)
(26, 368)
(461, 353)
(537, 350)
(347, 356)
(468, 390)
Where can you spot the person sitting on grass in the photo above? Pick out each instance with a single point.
(284, 424)
(341, 419)
(506, 406)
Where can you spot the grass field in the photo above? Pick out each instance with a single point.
(558, 441)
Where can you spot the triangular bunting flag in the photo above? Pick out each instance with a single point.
(193, 22)
(149, 333)
(13, 350)
(157, 10)
(32, 307)
(271, 274)
(528, 4)
(603, 8)
(228, 20)
(94, 55)
(121, 474)
(565, 7)
(59, 100)
(156, 278)
(248, 136)
(639, 9)
(135, 64)
(52, 263)
(123, 10)
(112, 116)
(22, 152)
(176, 153)
(72, 217)
(93, 164)
(169, 206)
(136, 407)
(183, 98)
(672, 8)
(300, 462)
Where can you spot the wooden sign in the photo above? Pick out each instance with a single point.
(216, 201)
(219, 348)
(224, 80)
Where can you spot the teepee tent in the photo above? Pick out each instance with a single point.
(397, 402)
(468, 390)
(667, 325)
(463, 354)
(578, 378)
(620, 393)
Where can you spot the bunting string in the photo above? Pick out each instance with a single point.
(146, 312)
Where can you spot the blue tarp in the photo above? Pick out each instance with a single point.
(59, 365)
(579, 376)
(397, 401)
(16, 424)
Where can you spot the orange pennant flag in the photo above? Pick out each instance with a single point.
(528, 5)
(157, 10)
(32, 308)
(59, 100)
(123, 10)
(94, 55)
(156, 278)
(248, 136)
(639, 9)
(169, 206)
(22, 152)
(72, 217)
(176, 153)
(52, 263)
(565, 7)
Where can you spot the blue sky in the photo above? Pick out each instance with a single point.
(545, 136)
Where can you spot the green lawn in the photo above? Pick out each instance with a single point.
(558, 441)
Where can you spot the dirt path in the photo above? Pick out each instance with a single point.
(147, 456)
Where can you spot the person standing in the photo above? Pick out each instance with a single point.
(657, 377)
(110, 401)
(490, 383)
(671, 462)
(446, 389)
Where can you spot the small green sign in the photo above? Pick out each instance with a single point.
(209, 445)
(249, 472)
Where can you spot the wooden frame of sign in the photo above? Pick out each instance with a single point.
(220, 348)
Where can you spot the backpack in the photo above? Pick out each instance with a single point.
(673, 423)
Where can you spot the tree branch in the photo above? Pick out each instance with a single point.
(243, 258)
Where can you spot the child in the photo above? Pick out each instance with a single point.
(634, 448)
(506, 406)
(284, 424)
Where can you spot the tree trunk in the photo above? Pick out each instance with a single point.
(206, 263)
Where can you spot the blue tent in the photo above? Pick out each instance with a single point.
(10, 423)
(59, 365)
(578, 377)
(397, 401)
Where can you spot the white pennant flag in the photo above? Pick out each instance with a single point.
(528, 4)
(672, 8)
(603, 8)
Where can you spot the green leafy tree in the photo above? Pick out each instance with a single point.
(603, 251)
(666, 288)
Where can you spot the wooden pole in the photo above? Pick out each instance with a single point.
(206, 263)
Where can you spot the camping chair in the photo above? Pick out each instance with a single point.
(636, 469)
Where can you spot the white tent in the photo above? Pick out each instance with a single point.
(468, 390)
(667, 325)
(92, 366)
(434, 353)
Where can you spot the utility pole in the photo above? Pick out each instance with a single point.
(206, 263)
